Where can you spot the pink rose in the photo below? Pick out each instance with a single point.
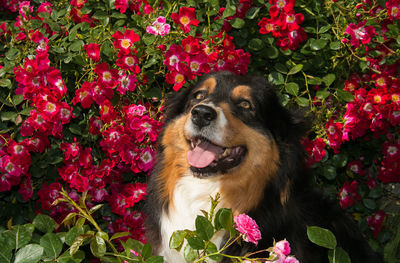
(282, 248)
(248, 228)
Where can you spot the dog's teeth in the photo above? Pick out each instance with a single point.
(226, 152)
(192, 144)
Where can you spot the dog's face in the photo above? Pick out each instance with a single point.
(227, 128)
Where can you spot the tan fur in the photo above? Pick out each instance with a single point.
(209, 85)
(242, 92)
(285, 194)
(175, 164)
(242, 188)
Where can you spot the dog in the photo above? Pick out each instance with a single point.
(229, 134)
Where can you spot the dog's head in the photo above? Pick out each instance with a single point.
(229, 127)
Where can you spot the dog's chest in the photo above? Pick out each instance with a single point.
(191, 195)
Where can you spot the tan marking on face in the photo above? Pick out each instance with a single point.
(175, 164)
(242, 188)
(242, 92)
(209, 85)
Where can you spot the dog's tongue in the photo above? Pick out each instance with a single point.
(203, 154)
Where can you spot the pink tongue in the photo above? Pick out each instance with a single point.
(203, 154)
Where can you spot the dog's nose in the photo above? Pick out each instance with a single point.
(202, 115)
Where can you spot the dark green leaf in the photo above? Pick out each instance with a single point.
(321, 237)
(329, 172)
(72, 234)
(135, 245)
(281, 68)
(8, 116)
(211, 249)
(340, 160)
(369, 203)
(272, 52)
(329, 79)
(344, 95)
(5, 251)
(177, 239)
(67, 258)
(149, 39)
(252, 12)
(44, 223)
(322, 94)
(237, 23)
(204, 228)
(376, 192)
(225, 218)
(324, 29)
(189, 253)
(52, 245)
(340, 256)
(76, 45)
(230, 10)
(295, 69)
(256, 44)
(314, 81)
(196, 242)
(12, 53)
(31, 253)
(318, 44)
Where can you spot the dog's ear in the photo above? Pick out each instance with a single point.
(176, 103)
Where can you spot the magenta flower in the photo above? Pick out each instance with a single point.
(159, 27)
(248, 228)
(360, 33)
(282, 248)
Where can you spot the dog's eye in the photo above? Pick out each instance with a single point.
(199, 95)
(245, 105)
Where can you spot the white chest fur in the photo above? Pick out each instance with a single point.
(191, 195)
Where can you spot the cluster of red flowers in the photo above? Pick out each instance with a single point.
(140, 7)
(348, 194)
(315, 150)
(284, 24)
(196, 57)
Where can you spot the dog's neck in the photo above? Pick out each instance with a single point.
(190, 196)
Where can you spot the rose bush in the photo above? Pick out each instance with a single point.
(83, 84)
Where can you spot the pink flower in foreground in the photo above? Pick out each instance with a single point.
(159, 27)
(248, 228)
(282, 248)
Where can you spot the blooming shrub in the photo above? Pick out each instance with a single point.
(83, 86)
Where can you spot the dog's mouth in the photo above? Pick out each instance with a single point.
(206, 158)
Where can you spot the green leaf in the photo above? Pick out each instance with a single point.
(344, 95)
(230, 10)
(72, 234)
(149, 39)
(335, 45)
(119, 234)
(52, 245)
(322, 94)
(292, 88)
(67, 258)
(97, 246)
(340, 256)
(321, 237)
(12, 53)
(211, 249)
(135, 245)
(204, 228)
(44, 223)
(281, 68)
(5, 83)
(329, 79)
(17, 99)
(376, 192)
(155, 259)
(5, 251)
(329, 172)
(369, 203)
(318, 44)
(189, 253)
(95, 208)
(276, 78)
(272, 52)
(256, 44)
(237, 23)
(295, 69)
(76, 45)
(8, 116)
(225, 218)
(177, 239)
(324, 29)
(252, 12)
(314, 81)
(31, 253)
(196, 242)
(78, 243)
(302, 102)
(18, 237)
(146, 251)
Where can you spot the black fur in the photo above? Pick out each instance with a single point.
(305, 205)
